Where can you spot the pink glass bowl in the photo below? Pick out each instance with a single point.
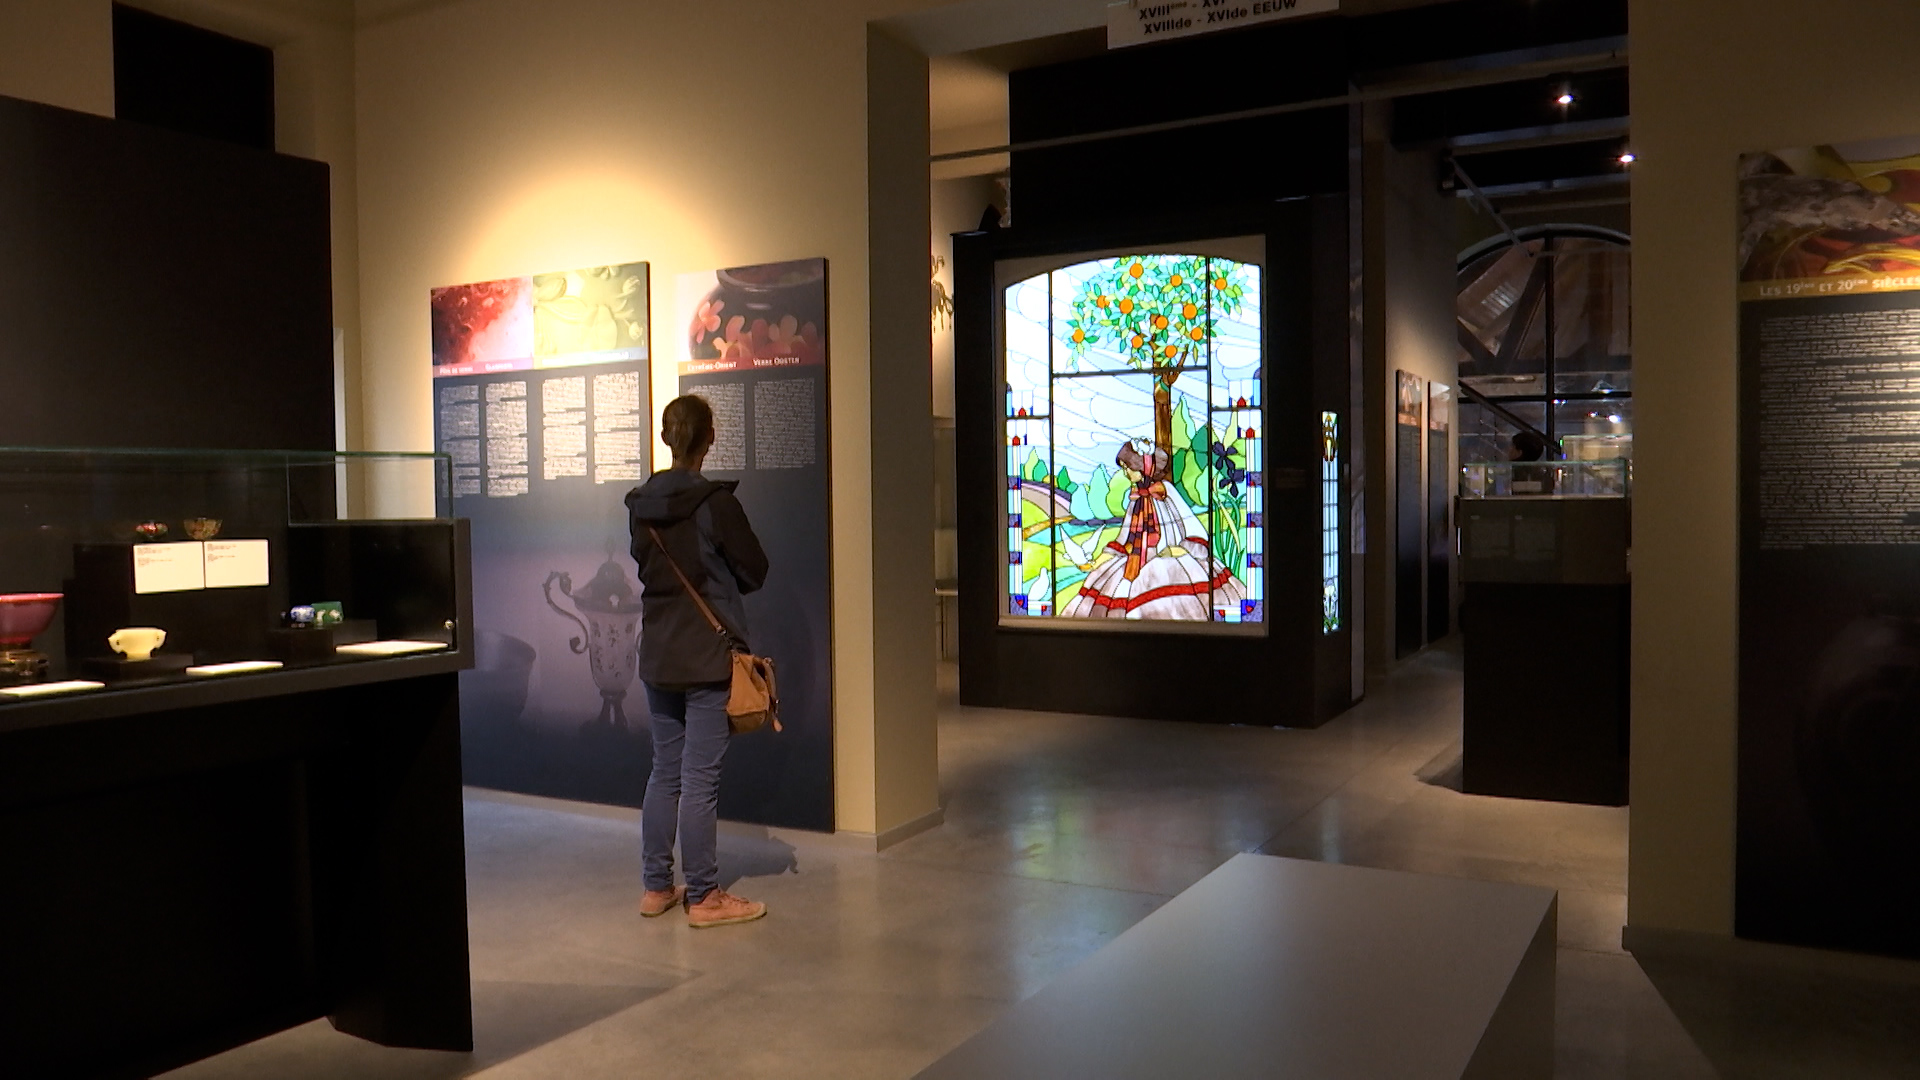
(22, 615)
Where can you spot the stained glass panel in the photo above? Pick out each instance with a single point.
(1329, 522)
(1135, 429)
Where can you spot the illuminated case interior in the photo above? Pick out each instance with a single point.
(251, 563)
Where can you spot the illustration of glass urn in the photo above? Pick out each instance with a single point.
(609, 621)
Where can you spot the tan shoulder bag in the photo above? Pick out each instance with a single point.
(754, 698)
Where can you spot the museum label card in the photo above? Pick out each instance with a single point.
(236, 564)
(237, 667)
(390, 648)
(163, 568)
(51, 689)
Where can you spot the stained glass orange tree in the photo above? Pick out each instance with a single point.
(1159, 313)
(1155, 312)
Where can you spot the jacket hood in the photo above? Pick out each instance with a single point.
(672, 495)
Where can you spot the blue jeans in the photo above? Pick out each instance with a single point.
(683, 794)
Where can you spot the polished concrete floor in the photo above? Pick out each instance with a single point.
(1060, 833)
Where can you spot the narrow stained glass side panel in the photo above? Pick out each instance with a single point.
(1236, 440)
(1029, 529)
(1329, 522)
(1028, 444)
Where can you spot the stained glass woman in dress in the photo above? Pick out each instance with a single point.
(1160, 568)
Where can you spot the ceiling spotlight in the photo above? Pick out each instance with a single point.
(1565, 99)
(1629, 158)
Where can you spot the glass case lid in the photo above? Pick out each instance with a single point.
(1596, 479)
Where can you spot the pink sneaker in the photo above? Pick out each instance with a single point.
(657, 902)
(720, 907)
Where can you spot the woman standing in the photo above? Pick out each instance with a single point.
(679, 517)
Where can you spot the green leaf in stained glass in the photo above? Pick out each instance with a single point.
(1083, 495)
(1117, 489)
(1191, 470)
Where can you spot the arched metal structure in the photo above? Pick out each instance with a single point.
(1544, 322)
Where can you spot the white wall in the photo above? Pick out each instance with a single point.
(58, 52)
(957, 206)
(502, 137)
(1711, 79)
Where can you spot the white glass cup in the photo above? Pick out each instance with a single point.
(137, 642)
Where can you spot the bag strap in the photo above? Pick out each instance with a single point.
(712, 620)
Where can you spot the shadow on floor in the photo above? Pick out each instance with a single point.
(509, 1019)
(1445, 770)
(754, 852)
(1763, 1021)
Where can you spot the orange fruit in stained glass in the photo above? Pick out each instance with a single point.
(1170, 351)
(1138, 341)
(1175, 280)
(1136, 270)
(1079, 336)
(1220, 283)
(1199, 334)
(1189, 311)
(1159, 322)
(1126, 306)
(1100, 301)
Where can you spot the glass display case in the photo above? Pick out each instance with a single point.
(124, 569)
(1564, 479)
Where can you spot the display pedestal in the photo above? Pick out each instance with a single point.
(303, 645)
(197, 865)
(21, 666)
(1547, 632)
(1546, 721)
(115, 669)
(1284, 968)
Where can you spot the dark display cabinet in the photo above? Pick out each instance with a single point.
(229, 753)
(1546, 625)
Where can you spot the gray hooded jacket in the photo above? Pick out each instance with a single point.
(703, 525)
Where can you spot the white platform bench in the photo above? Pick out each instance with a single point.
(1277, 968)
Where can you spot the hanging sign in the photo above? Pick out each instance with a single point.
(1137, 22)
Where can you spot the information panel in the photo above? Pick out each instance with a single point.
(541, 399)
(756, 350)
(1829, 807)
